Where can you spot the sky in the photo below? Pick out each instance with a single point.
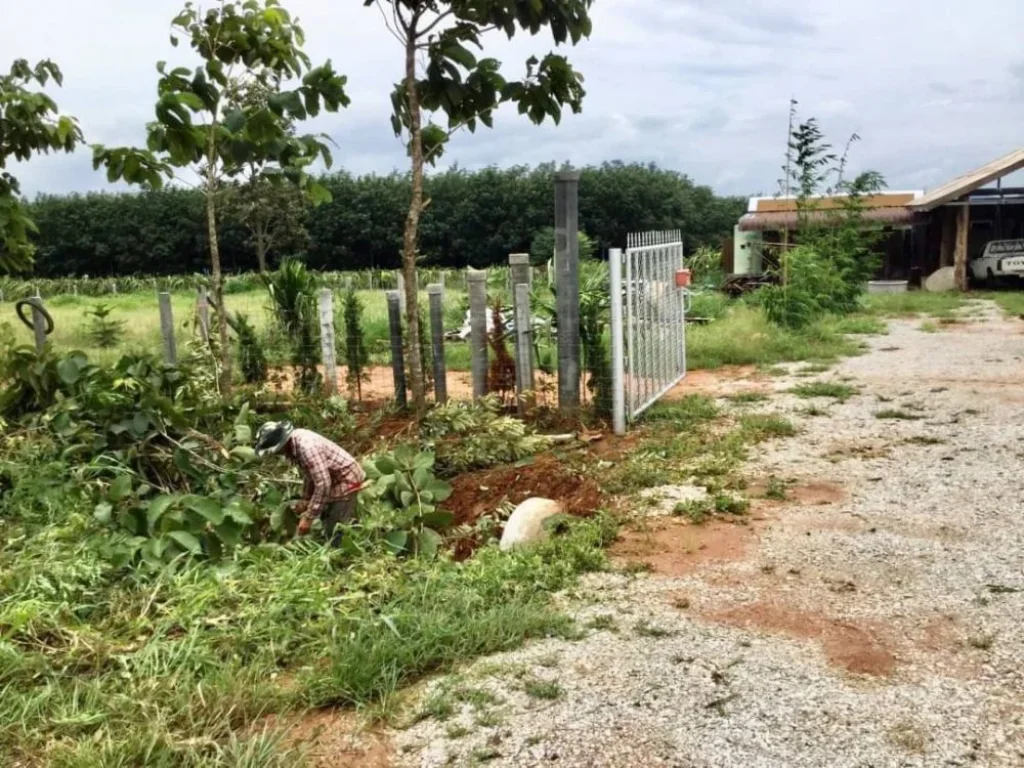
(933, 87)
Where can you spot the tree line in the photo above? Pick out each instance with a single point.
(474, 218)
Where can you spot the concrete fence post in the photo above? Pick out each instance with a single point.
(476, 283)
(524, 347)
(400, 287)
(327, 343)
(203, 306)
(567, 283)
(519, 266)
(397, 358)
(167, 329)
(38, 323)
(435, 296)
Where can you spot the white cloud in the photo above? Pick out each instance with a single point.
(694, 85)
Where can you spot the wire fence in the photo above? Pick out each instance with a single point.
(482, 332)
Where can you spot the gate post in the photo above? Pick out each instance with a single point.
(618, 357)
(567, 283)
(524, 353)
(327, 347)
(167, 328)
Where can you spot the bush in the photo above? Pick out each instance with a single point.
(251, 358)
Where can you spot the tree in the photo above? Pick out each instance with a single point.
(467, 91)
(272, 213)
(206, 123)
(29, 124)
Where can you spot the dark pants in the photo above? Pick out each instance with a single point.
(338, 512)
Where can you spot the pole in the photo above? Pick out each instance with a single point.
(435, 296)
(204, 315)
(567, 283)
(618, 357)
(524, 352)
(167, 328)
(477, 285)
(38, 323)
(397, 359)
(400, 283)
(327, 347)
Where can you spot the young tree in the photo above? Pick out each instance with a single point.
(205, 124)
(272, 212)
(29, 124)
(467, 91)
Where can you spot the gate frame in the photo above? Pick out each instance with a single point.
(622, 326)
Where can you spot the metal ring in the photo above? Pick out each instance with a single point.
(19, 308)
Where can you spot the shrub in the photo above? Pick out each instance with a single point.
(356, 356)
(104, 332)
(251, 358)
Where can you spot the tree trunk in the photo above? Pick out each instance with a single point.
(261, 252)
(412, 222)
(218, 278)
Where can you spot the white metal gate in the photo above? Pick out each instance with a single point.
(648, 303)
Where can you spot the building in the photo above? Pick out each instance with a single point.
(923, 231)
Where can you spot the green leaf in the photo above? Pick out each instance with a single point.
(236, 512)
(102, 512)
(428, 542)
(422, 477)
(438, 519)
(208, 508)
(439, 489)
(397, 541)
(120, 488)
(156, 509)
(230, 532)
(406, 497)
(186, 540)
(318, 194)
(386, 465)
(68, 371)
(245, 453)
(243, 434)
(424, 460)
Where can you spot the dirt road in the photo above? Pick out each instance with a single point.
(875, 617)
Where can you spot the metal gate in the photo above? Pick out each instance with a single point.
(648, 312)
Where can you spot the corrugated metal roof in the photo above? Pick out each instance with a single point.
(969, 182)
(779, 220)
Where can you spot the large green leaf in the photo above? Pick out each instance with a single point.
(439, 489)
(243, 434)
(68, 370)
(102, 512)
(120, 488)
(421, 477)
(386, 465)
(428, 542)
(230, 532)
(156, 509)
(438, 519)
(397, 541)
(208, 508)
(406, 497)
(236, 511)
(424, 460)
(186, 540)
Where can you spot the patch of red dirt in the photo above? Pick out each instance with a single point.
(855, 648)
(335, 739)
(675, 548)
(728, 380)
(475, 494)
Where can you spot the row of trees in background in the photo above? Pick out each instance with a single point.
(476, 218)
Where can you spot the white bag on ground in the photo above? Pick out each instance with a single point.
(526, 525)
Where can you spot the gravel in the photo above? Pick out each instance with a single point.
(882, 628)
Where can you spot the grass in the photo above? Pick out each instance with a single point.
(897, 414)
(744, 336)
(912, 303)
(140, 315)
(645, 628)
(747, 397)
(548, 690)
(758, 427)
(834, 389)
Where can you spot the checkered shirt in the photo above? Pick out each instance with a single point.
(332, 474)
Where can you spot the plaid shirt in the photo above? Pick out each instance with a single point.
(331, 473)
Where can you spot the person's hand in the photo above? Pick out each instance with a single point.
(304, 525)
(300, 508)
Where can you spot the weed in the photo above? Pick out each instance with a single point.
(695, 510)
(682, 603)
(814, 410)
(645, 628)
(925, 440)
(861, 325)
(776, 489)
(833, 389)
(604, 621)
(759, 427)
(549, 660)
(928, 327)
(457, 731)
(491, 718)
(438, 706)
(747, 397)
(731, 505)
(485, 754)
(814, 368)
(634, 567)
(981, 641)
(542, 689)
(897, 414)
(686, 412)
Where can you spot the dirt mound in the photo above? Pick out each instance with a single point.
(477, 493)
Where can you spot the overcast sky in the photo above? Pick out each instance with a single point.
(934, 87)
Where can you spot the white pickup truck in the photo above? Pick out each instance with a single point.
(1000, 259)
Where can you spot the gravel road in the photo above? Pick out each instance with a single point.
(872, 618)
